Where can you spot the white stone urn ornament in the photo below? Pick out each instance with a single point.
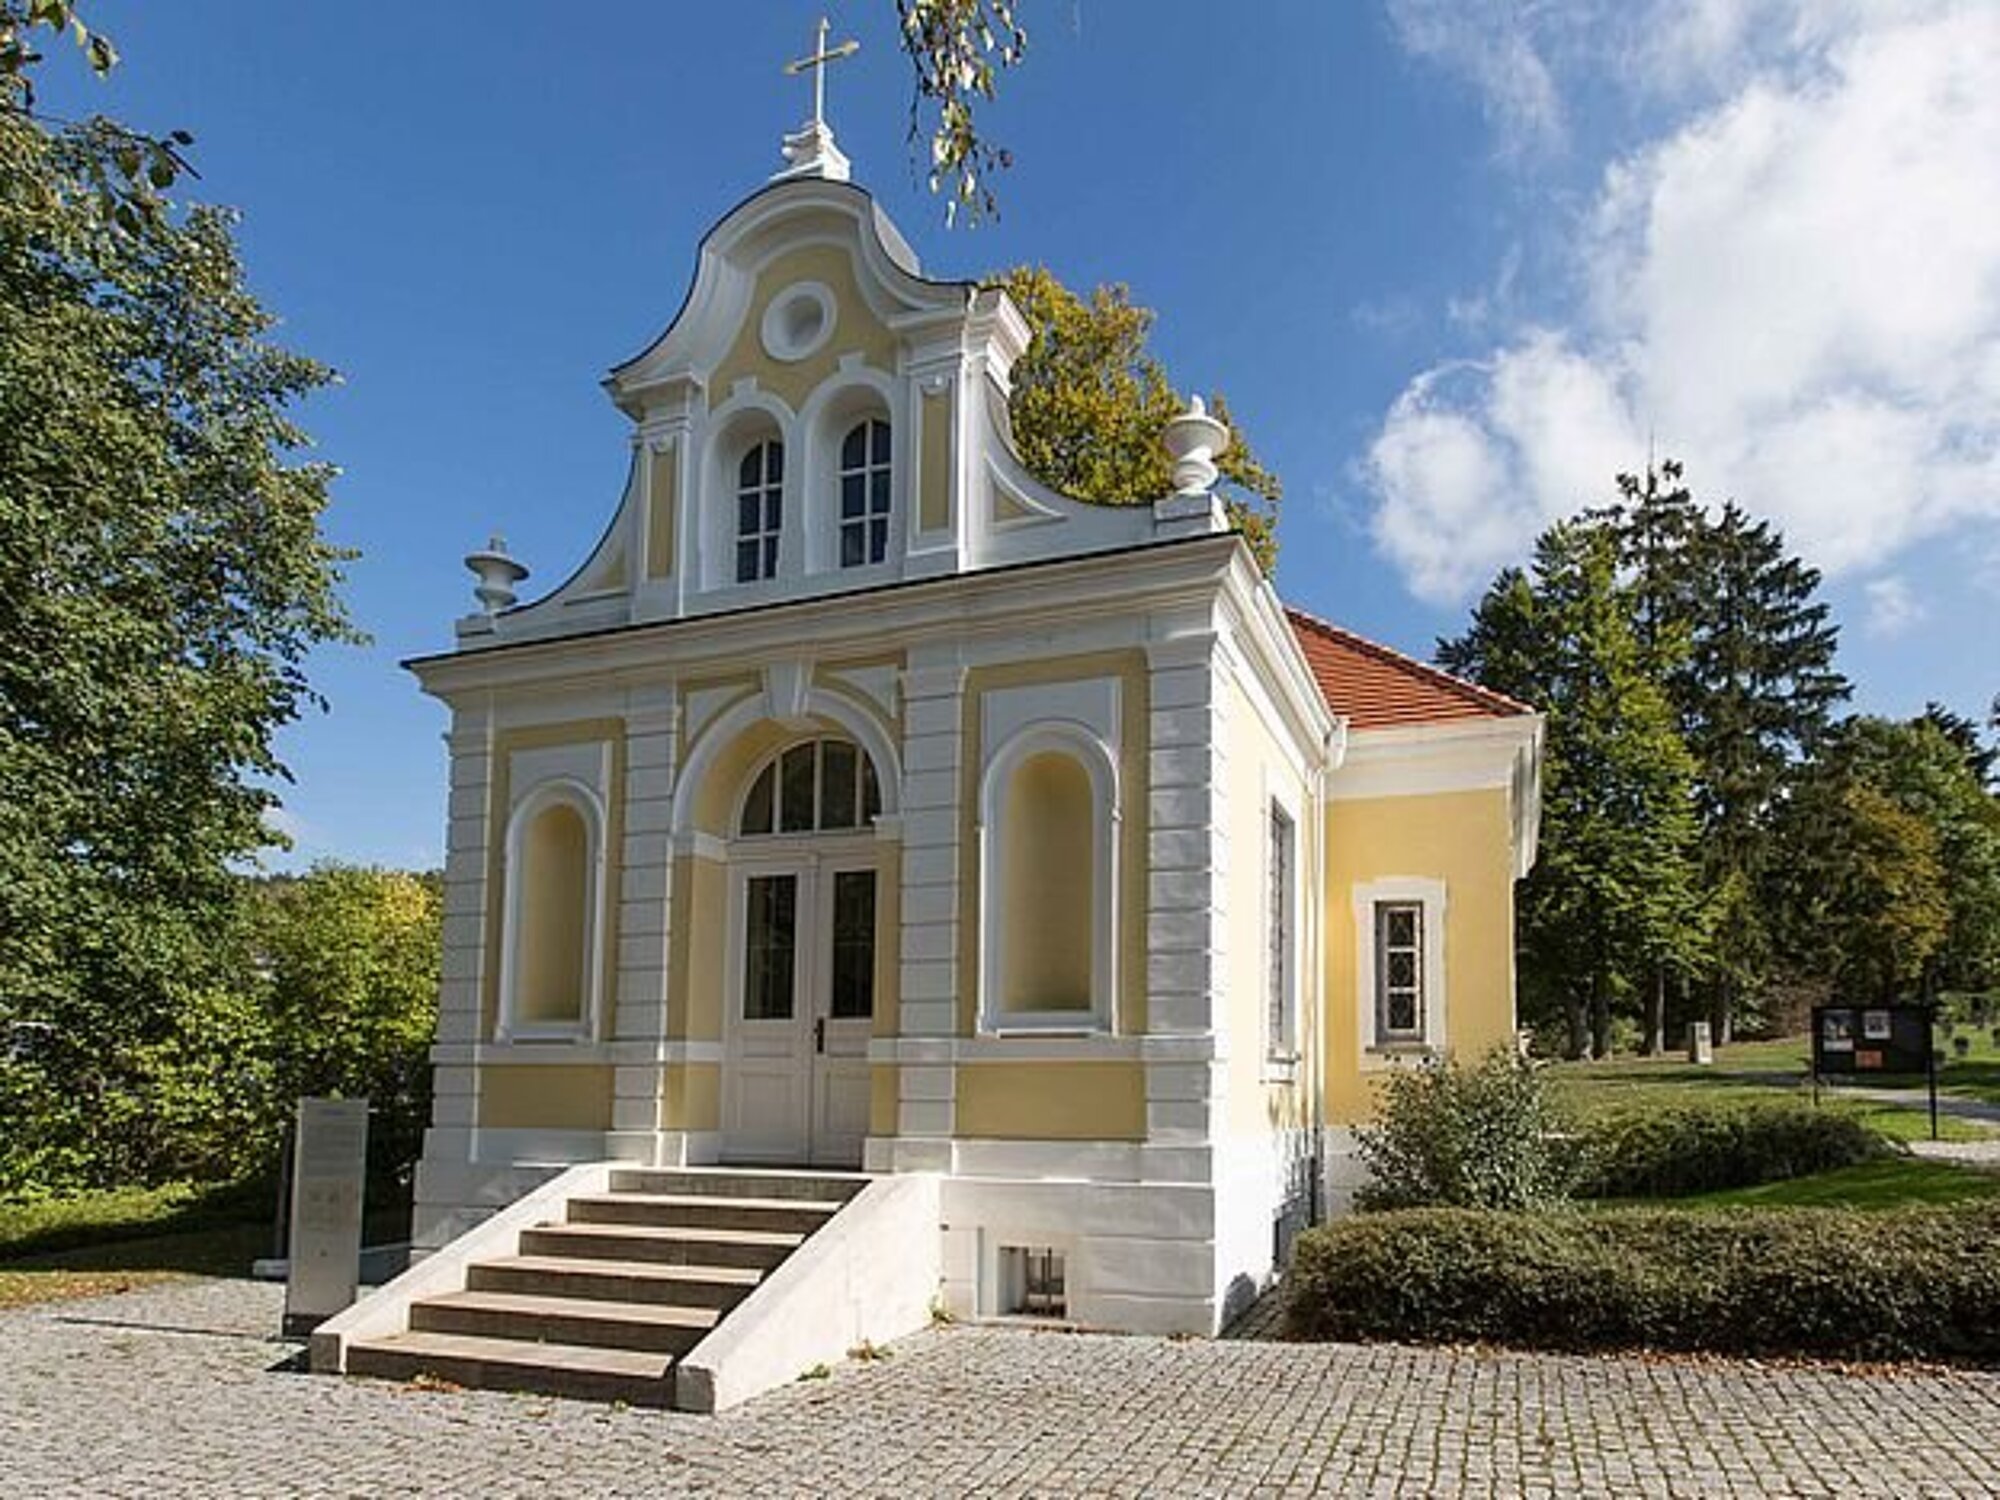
(1194, 440)
(497, 574)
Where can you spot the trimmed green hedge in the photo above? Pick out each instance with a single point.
(1908, 1284)
(1707, 1148)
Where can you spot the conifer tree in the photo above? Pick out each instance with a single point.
(1614, 898)
(1731, 627)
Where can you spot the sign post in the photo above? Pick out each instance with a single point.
(329, 1168)
(1857, 1040)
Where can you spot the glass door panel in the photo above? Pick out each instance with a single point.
(853, 934)
(770, 947)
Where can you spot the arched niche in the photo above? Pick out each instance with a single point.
(1049, 882)
(551, 965)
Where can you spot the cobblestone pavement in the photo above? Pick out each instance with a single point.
(175, 1391)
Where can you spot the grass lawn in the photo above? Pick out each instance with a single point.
(1895, 1183)
(1746, 1072)
(94, 1244)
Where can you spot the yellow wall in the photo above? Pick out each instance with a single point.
(883, 1081)
(856, 328)
(691, 1097)
(697, 955)
(934, 473)
(1048, 849)
(660, 512)
(538, 1096)
(1463, 839)
(1040, 1101)
(554, 911)
(1258, 769)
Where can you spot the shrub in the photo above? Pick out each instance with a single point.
(1679, 1150)
(1833, 1283)
(1487, 1136)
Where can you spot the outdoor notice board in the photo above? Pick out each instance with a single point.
(329, 1166)
(1858, 1040)
(1871, 1039)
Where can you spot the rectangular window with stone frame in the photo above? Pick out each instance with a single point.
(1399, 972)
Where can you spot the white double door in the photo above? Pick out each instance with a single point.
(800, 1006)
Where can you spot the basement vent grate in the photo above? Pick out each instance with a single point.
(1034, 1281)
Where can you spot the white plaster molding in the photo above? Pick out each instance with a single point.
(798, 321)
(819, 703)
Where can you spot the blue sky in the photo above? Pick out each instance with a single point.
(1453, 262)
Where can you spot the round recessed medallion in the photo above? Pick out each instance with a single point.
(797, 321)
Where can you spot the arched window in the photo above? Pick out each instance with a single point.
(552, 916)
(864, 493)
(1048, 891)
(760, 510)
(818, 786)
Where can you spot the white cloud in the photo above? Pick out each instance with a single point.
(1797, 288)
(1892, 608)
(1477, 457)
(1497, 45)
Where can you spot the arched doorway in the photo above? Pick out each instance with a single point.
(805, 918)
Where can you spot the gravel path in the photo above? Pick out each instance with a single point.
(179, 1390)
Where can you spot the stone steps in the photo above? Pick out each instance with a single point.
(703, 1211)
(600, 1302)
(588, 1373)
(719, 1287)
(651, 1327)
(761, 1249)
(726, 1182)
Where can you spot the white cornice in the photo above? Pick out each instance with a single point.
(1070, 590)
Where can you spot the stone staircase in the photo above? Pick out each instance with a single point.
(603, 1303)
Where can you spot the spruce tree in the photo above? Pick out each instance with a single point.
(1731, 627)
(1613, 899)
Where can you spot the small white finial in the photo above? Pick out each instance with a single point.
(1194, 440)
(809, 151)
(497, 574)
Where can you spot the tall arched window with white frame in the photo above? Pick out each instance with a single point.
(760, 510)
(865, 493)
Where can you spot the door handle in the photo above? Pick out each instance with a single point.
(819, 1034)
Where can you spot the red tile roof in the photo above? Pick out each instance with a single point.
(1377, 688)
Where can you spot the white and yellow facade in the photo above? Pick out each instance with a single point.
(861, 802)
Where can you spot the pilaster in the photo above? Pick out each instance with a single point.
(932, 898)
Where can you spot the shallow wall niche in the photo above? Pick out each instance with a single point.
(550, 973)
(1048, 886)
(554, 914)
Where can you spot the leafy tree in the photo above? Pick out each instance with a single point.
(345, 963)
(162, 577)
(1924, 771)
(957, 49)
(1614, 897)
(1863, 894)
(1090, 402)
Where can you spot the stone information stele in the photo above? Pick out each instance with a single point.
(329, 1169)
(1701, 1043)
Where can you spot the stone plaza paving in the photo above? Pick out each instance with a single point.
(181, 1390)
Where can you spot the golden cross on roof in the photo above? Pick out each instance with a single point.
(817, 64)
